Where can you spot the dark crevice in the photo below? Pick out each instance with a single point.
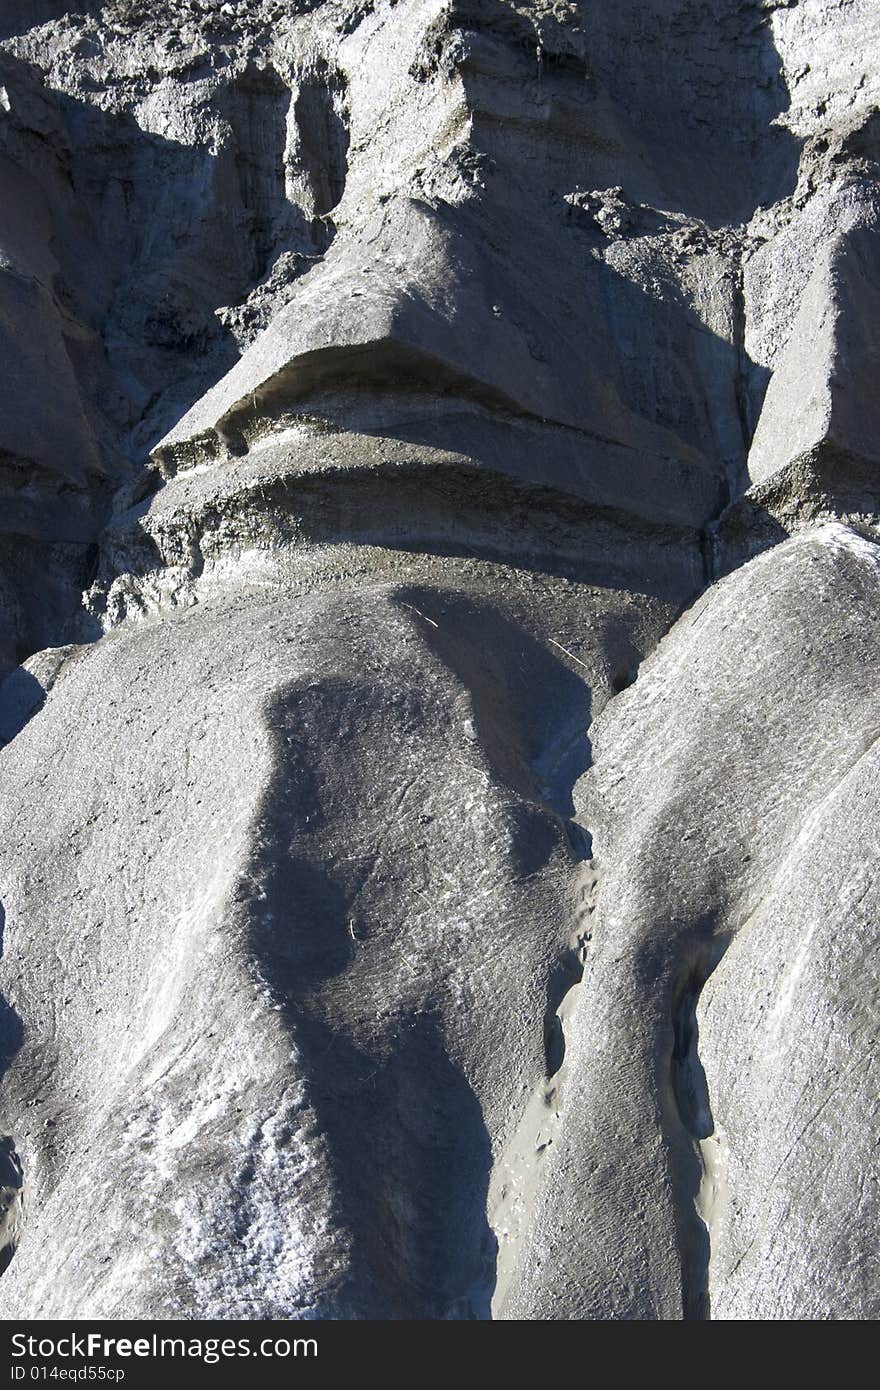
(257, 103)
(565, 973)
(695, 1123)
(743, 407)
(324, 140)
(11, 1171)
(623, 680)
(11, 1205)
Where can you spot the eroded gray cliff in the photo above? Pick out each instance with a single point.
(439, 613)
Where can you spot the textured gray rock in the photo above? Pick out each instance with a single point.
(714, 786)
(438, 612)
(315, 1003)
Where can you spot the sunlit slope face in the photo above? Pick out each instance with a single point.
(313, 891)
(721, 1056)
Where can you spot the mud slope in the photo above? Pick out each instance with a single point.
(439, 595)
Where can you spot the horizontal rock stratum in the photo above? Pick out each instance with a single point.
(439, 624)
